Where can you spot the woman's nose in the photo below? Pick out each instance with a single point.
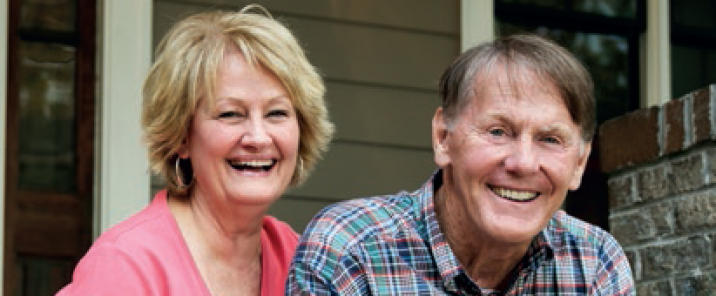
(256, 134)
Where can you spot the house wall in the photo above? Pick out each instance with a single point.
(381, 67)
(661, 163)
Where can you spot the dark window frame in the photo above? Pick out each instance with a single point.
(630, 28)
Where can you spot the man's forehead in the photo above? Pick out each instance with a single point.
(512, 81)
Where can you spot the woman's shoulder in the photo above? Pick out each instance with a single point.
(277, 231)
(146, 236)
(138, 254)
(143, 226)
(278, 241)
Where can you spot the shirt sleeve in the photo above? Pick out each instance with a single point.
(325, 262)
(337, 275)
(305, 279)
(107, 270)
(614, 275)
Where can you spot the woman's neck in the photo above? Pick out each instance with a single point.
(225, 231)
(227, 254)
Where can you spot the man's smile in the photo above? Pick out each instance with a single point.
(514, 195)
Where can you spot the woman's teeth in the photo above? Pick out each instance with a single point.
(256, 163)
(253, 164)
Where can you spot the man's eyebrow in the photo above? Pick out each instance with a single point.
(556, 128)
(499, 115)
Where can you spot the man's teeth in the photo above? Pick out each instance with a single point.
(515, 194)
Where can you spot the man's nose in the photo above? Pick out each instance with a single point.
(522, 157)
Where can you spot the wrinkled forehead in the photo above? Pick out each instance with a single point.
(513, 80)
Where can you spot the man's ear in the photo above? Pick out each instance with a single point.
(581, 166)
(439, 137)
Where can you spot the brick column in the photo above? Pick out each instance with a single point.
(661, 167)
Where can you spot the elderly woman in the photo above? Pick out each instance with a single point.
(233, 114)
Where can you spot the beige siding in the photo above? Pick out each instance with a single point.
(297, 212)
(381, 114)
(381, 61)
(429, 15)
(354, 170)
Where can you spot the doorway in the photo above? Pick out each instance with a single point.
(50, 142)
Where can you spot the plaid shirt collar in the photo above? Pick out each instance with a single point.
(541, 249)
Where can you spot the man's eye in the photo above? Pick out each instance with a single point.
(551, 140)
(498, 132)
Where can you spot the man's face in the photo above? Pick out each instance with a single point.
(510, 157)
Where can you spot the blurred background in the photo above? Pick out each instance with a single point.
(74, 163)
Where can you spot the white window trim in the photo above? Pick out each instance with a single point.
(477, 22)
(122, 176)
(3, 118)
(657, 68)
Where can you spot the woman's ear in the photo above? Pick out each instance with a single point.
(439, 137)
(183, 151)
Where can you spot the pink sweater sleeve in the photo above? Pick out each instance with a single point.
(92, 276)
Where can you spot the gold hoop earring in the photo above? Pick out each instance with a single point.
(180, 176)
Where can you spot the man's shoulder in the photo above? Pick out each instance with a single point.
(587, 253)
(567, 229)
(349, 222)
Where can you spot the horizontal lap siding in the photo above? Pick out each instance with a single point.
(381, 61)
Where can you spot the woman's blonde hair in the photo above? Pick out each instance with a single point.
(185, 70)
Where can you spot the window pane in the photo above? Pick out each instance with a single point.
(46, 138)
(610, 8)
(692, 68)
(46, 275)
(605, 56)
(559, 4)
(53, 15)
(693, 13)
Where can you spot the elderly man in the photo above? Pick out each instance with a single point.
(511, 137)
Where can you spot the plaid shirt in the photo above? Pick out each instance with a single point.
(392, 245)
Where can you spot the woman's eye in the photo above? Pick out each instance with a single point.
(229, 114)
(278, 113)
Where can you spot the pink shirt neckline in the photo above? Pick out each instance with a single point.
(266, 259)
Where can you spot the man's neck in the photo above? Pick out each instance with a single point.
(489, 264)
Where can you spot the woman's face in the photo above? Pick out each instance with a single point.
(244, 149)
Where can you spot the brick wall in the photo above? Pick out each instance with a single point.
(661, 167)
